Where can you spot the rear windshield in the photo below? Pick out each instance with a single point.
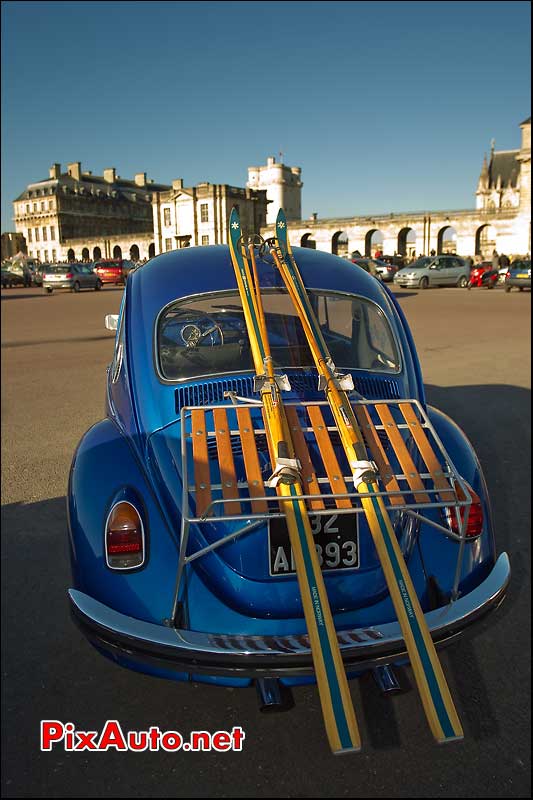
(207, 335)
(109, 264)
(50, 268)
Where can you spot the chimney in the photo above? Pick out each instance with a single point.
(140, 179)
(109, 175)
(74, 170)
(177, 184)
(55, 170)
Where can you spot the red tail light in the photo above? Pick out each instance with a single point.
(124, 537)
(69, 275)
(474, 526)
(44, 277)
(507, 274)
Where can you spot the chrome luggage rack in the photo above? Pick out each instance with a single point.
(398, 434)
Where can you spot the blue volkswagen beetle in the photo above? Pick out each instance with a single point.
(181, 561)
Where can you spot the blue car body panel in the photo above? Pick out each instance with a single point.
(134, 454)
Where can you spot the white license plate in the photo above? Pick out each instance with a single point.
(336, 538)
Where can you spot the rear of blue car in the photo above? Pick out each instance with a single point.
(519, 276)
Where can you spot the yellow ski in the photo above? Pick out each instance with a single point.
(337, 707)
(435, 694)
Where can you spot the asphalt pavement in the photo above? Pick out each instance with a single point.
(474, 348)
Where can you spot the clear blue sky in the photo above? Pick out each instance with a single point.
(385, 106)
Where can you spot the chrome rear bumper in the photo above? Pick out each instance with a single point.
(273, 656)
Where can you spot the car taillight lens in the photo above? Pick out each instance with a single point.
(390, 269)
(69, 275)
(474, 526)
(507, 274)
(124, 537)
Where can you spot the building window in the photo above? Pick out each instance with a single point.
(30, 253)
(166, 217)
(35, 207)
(28, 209)
(50, 205)
(29, 235)
(45, 234)
(42, 206)
(205, 240)
(168, 244)
(46, 255)
(36, 234)
(52, 232)
(53, 255)
(204, 217)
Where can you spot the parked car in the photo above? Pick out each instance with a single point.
(174, 573)
(386, 270)
(111, 270)
(519, 275)
(369, 265)
(38, 271)
(16, 275)
(394, 261)
(436, 271)
(70, 276)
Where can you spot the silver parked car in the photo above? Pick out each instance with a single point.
(434, 271)
(70, 276)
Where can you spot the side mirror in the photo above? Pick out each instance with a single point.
(111, 322)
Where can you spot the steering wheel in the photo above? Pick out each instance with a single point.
(194, 333)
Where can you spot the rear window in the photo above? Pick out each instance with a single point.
(57, 268)
(109, 264)
(207, 335)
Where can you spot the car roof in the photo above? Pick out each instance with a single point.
(194, 270)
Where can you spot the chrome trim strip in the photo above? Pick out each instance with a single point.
(289, 654)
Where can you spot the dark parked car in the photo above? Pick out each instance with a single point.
(395, 261)
(519, 275)
(368, 264)
(386, 270)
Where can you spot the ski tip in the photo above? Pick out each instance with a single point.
(234, 220)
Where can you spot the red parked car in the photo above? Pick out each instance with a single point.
(110, 270)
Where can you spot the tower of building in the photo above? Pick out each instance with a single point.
(283, 187)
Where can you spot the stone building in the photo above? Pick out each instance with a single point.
(78, 215)
(12, 243)
(283, 186)
(199, 215)
(501, 219)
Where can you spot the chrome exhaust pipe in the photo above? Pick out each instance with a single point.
(270, 695)
(386, 679)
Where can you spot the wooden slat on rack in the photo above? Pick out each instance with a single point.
(406, 462)
(329, 458)
(226, 463)
(433, 465)
(251, 459)
(378, 454)
(202, 478)
(309, 480)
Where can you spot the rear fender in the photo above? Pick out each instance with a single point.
(104, 470)
(480, 553)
